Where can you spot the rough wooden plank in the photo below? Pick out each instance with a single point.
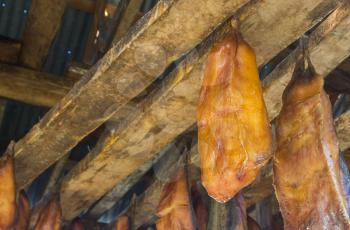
(131, 14)
(90, 54)
(169, 30)
(32, 87)
(171, 109)
(9, 50)
(343, 130)
(327, 52)
(42, 24)
(83, 5)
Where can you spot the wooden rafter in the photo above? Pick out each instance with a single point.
(31, 86)
(9, 50)
(132, 13)
(171, 109)
(41, 27)
(123, 73)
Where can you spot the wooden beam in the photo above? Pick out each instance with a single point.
(343, 130)
(90, 53)
(41, 27)
(326, 53)
(32, 87)
(82, 5)
(131, 14)
(171, 108)
(166, 33)
(9, 50)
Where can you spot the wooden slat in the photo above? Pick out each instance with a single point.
(41, 27)
(9, 50)
(171, 109)
(91, 44)
(131, 14)
(327, 52)
(169, 30)
(31, 86)
(83, 5)
(343, 131)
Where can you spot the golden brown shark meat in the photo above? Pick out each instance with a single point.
(23, 212)
(252, 224)
(50, 216)
(174, 209)
(307, 175)
(122, 223)
(7, 192)
(234, 139)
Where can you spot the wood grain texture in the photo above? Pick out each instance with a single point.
(343, 131)
(171, 108)
(9, 50)
(329, 45)
(132, 12)
(160, 37)
(32, 87)
(41, 27)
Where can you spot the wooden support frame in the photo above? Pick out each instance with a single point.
(42, 24)
(32, 87)
(171, 109)
(9, 50)
(125, 71)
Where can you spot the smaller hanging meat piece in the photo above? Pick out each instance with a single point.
(306, 167)
(77, 224)
(50, 216)
(23, 212)
(234, 139)
(252, 225)
(174, 210)
(122, 223)
(7, 192)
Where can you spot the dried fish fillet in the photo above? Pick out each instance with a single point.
(175, 210)
(234, 139)
(307, 174)
(7, 192)
(50, 216)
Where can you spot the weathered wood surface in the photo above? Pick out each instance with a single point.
(31, 86)
(9, 50)
(90, 54)
(131, 14)
(172, 108)
(83, 5)
(343, 130)
(41, 27)
(161, 164)
(161, 36)
(327, 52)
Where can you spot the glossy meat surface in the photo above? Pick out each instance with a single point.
(175, 210)
(234, 139)
(23, 212)
(7, 193)
(122, 223)
(307, 175)
(50, 216)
